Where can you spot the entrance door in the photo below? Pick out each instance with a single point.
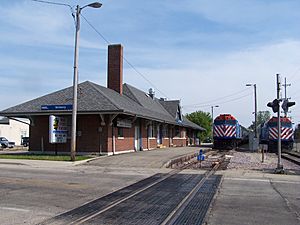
(159, 135)
(137, 138)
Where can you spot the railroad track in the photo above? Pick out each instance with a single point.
(172, 198)
(292, 156)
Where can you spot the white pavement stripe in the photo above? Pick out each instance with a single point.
(261, 180)
(14, 209)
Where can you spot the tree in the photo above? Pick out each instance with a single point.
(202, 119)
(262, 117)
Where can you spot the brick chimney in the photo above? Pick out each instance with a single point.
(115, 68)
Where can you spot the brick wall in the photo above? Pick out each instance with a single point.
(89, 139)
(87, 127)
(166, 142)
(115, 68)
(95, 138)
(126, 143)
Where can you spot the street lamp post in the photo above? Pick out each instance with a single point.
(255, 109)
(212, 118)
(75, 77)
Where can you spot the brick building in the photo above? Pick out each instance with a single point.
(112, 120)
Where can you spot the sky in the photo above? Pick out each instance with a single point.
(202, 52)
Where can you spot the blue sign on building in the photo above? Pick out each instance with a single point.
(56, 107)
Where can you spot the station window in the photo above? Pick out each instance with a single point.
(152, 131)
(177, 132)
(165, 131)
(120, 132)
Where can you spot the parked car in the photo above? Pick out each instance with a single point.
(4, 142)
(25, 141)
(11, 144)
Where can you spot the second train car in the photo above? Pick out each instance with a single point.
(269, 134)
(226, 132)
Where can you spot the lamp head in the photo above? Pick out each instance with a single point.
(95, 5)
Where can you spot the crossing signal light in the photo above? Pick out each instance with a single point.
(274, 105)
(286, 104)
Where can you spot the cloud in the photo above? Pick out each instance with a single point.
(206, 78)
(194, 50)
(35, 24)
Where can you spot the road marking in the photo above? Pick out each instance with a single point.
(262, 180)
(14, 209)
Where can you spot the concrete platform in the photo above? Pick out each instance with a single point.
(256, 197)
(32, 191)
(144, 159)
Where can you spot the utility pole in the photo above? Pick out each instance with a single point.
(75, 77)
(212, 122)
(255, 112)
(255, 139)
(75, 84)
(279, 164)
(285, 85)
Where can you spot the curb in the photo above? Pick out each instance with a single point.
(181, 159)
(88, 160)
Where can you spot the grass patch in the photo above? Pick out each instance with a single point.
(42, 157)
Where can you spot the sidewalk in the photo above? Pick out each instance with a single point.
(250, 193)
(155, 159)
(145, 159)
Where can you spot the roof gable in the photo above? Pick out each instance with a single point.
(93, 98)
(89, 99)
(143, 99)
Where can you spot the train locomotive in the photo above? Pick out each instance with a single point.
(226, 132)
(269, 134)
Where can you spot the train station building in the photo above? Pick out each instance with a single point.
(115, 119)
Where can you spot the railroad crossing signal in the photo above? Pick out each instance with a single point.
(286, 104)
(274, 105)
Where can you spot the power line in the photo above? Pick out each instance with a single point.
(125, 59)
(58, 3)
(293, 75)
(106, 40)
(94, 28)
(52, 3)
(224, 102)
(218, 99)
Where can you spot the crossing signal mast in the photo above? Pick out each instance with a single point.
(286, 104)
(275, 105)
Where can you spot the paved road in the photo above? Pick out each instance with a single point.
(31, 191)
(249, 197)
(144, 159)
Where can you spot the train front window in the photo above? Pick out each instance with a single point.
(230, 122)
(283, 124)
(227, 122)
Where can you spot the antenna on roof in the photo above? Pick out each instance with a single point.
(151, 93)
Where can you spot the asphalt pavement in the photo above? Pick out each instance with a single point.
(255, 197)
(32, 191)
